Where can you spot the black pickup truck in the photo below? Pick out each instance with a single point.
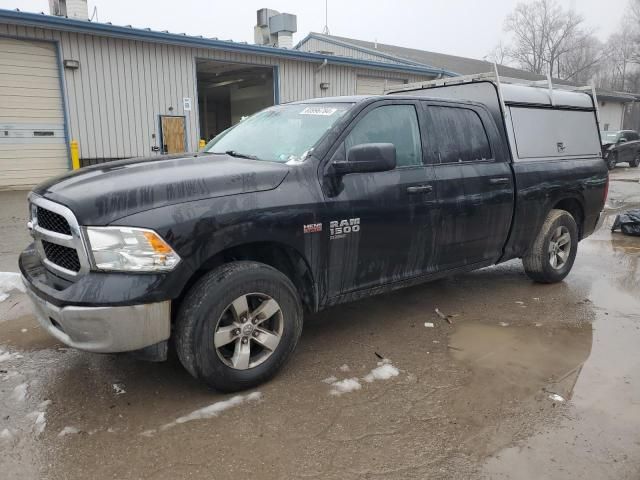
(299, 207)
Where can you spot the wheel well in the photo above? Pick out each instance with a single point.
(281, 257)
(574, 207)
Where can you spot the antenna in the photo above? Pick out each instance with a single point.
(325, 30)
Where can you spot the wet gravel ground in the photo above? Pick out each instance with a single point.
(527, 381)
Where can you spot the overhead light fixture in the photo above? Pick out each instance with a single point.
(71, 64)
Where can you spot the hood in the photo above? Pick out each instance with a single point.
(101, 194)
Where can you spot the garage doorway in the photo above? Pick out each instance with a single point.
(227, 92)
(173, 135)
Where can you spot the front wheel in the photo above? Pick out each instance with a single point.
(612, 160)
(238, 325)
(551, 257)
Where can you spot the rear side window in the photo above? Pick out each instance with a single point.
(457, 135)
(631, 136)
(397, 124)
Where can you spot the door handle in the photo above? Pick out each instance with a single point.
(420, 189)
(499, 181)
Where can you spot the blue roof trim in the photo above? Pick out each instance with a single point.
(81, 26)
(358, 48)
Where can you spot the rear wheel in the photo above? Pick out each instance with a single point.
(238, 325)
(636, 161)
(612, 160)
(551, 257)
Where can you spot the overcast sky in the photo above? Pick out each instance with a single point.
(468, 28)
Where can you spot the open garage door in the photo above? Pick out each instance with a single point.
(366, 85)
(32, 141)
(227, 92)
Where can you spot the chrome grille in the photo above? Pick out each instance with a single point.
(63, 256)
(52, 221)
(58, 238)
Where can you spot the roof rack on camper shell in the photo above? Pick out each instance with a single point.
(515, 90)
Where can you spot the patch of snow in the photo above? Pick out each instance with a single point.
(68, 431)
(428, 324)
(39, 421)
(148, 433)
(344, 368)
(44, 405)
(537, 324)
(6, 356)
(520, 302)
(6, 434)
(118, 388)
(24, 330)
(384, 371)
(10, 281)
(330, 380)
(214, 409)
(504, 324)
(345, 386)
(20, 392)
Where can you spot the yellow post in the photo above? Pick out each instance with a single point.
(201, 144)
(75, 155)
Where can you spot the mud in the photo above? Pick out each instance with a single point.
(478, 398)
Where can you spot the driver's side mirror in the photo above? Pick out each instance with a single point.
(367, 157)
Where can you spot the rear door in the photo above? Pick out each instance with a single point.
(379, 225)
(475, 188)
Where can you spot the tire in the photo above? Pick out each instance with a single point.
(612, 160)
(209, 312)
(635, 162)
(538, 262)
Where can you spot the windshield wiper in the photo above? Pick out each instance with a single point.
(233, 153)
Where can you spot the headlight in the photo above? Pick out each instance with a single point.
(128, 249)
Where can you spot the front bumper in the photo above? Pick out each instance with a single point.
(104, 329)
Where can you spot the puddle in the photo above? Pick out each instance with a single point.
(531, 359)
(25, 333)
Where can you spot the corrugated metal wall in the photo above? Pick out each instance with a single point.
(115, 98)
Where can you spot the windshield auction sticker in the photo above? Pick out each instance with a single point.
(324, 111)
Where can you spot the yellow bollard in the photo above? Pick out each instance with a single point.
(75, 155)
(202, 144)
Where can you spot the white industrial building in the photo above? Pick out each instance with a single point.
(125, 92)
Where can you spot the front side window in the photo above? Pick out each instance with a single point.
(283, 133)
(396, 124)
(458, 135)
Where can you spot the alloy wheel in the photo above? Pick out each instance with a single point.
(248, 331)
(559, 247)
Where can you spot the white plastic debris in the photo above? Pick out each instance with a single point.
(24, 330)
(428, 324)
(344, 368)
(118, 388)
(215, 409)
(504, 324)
(384, 371)
(68, 431)
(10, 281)
(557, 398)
(519, 302)
(345, 386)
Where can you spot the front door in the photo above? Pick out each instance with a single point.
(474, 185)
(173, 140)
(379, 229)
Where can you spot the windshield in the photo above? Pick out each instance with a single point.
(609, 137)
(283, 133)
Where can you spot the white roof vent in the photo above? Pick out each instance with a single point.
(275, 28)
(76, 9)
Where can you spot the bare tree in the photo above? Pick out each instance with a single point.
(547, 38)
(499, 54)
